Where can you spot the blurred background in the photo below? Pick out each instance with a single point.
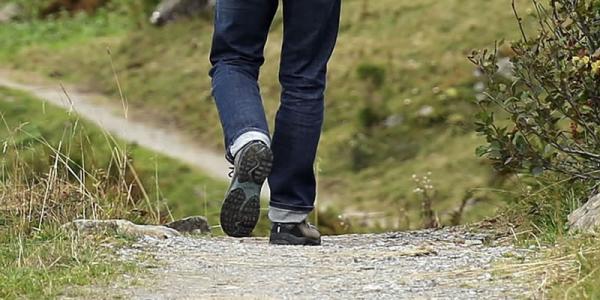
(398, 148)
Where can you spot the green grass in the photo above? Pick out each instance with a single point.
(37, 259)
(418, 51)
(579, 278)
(54, 168)
(42, 128)
(538, 216)
(41, 264)
(59, 33)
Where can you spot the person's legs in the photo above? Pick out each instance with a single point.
(310, 33)
(241, 28)
(240, 33)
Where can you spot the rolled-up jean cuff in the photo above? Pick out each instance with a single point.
(278, 215)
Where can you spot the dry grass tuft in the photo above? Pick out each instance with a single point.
(44, 184)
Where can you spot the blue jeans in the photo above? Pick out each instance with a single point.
(310, 33)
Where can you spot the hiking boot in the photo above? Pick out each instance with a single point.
(302, 234)
(241, 208)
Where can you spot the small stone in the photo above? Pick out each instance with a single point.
(479, 86)
(473, 242)
(586, 218)
(426, 111)
(371, 288)
(194, 225)
(416, 252)
(393, 121)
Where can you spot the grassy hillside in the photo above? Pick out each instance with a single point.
(39, 131)
(399, 100)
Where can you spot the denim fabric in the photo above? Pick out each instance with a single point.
(310, 33)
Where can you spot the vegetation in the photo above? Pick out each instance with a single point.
(581, 280)
(38, 131)
(553, 103)
(42, 187)
(55, 168)
(392, 111)
(538, 218)
(542, 122)
(42, 263)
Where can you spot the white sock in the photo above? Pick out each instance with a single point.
(279, 215)
(246, 138)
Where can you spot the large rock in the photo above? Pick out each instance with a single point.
(586, 218)
(122, 227)
(10, 12)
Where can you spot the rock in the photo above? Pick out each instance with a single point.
(393, 121)
(123, 227)
(417, 252)
(10, 12)
(170, 10)
(372, 288)
(196, 224)
(586, 218)
(473, 242)
(506, 68)
(426, 111)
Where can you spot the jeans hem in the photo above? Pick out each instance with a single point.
(297, 208)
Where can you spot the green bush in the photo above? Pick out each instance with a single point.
(547, 116)
(373, 74)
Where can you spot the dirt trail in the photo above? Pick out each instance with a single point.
(94, 107)
(452, 263)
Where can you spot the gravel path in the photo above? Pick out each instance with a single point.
(441, 264)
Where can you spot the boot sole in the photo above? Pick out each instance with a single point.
(241, 209)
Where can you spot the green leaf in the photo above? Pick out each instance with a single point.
(537, 171)
(520, 142)
(482, 151)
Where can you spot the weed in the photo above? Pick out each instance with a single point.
(426, 192)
